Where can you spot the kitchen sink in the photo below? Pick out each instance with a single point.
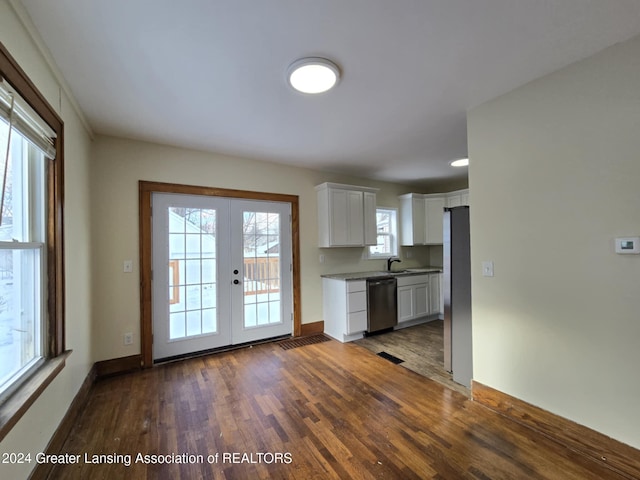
(393, 272)
(408, 270)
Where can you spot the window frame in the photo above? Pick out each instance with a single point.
(394, 236)
(27, 209)
(14, 405)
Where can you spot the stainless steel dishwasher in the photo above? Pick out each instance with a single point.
(382, 303)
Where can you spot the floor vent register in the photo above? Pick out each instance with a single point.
(303, 341)
(390, 357)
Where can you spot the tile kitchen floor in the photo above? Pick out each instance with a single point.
(421, 347)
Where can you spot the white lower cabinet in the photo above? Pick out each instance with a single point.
(419, 298)
(406, 303)
(441, 282)
(356, 307)
(434, 293)
(413, 297)
(344, 308)
(344, 304)
(422, 300)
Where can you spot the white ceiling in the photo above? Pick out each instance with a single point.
(210, 74)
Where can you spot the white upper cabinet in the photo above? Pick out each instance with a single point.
(421, 216)
(458, 198)
(346, 215)
(370, 222)
(412, 219)
(434, 210)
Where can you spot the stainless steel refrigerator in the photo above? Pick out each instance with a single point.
(457, 295)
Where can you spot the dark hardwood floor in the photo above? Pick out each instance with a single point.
(421, 348)
(321, 411)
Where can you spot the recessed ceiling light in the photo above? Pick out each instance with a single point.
(463, 162)
(313, 75)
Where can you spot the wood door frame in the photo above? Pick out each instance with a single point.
(145, 190)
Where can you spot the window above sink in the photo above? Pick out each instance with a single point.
(387, 234)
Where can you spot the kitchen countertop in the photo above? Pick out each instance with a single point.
(380, 273)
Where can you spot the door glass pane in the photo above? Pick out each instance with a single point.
(261, 251)
(209, 295)
(193, 323)
(274, 308)
(177, 325)
(250, 316)
(209, 321)
(208, 270)
(192, 272)
(193, 297)
(263, 313)
(193, 245)
(176, 245)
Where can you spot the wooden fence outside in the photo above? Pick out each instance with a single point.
(261, 275)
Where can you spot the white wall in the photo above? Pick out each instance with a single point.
(554, 173)
(118, 166)
(33, 431)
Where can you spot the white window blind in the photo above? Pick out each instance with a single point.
(15, 110)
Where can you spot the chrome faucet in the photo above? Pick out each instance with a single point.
(390, 260)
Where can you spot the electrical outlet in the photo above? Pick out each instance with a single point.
(127, 266)
(128, 339)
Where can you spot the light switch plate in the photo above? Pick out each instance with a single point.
(487, 268)
(127, 266)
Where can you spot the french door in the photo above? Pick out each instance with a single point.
(221, 272)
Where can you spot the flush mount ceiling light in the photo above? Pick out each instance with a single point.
(313, 75)
(463, 162)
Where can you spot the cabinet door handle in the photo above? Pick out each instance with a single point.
(236, 282)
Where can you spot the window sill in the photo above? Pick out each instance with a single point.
(380, 256)
(14, 407)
